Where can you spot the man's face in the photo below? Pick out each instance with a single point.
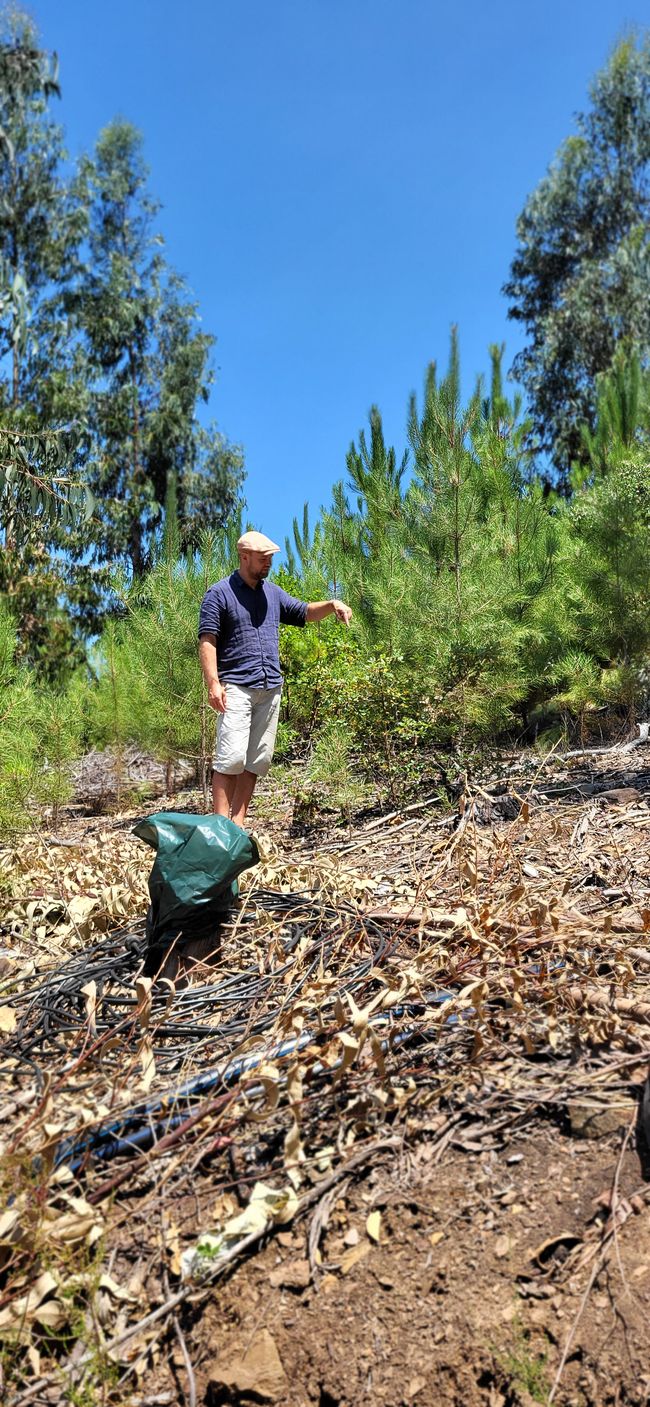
(258, 564)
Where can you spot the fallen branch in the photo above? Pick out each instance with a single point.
(621, 1006)
(644, 737)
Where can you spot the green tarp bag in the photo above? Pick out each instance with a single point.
(193, 880)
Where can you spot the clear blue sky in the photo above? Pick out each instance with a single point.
(340, 182)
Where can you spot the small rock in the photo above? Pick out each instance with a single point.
(296, 1275)
(415, 1386)
(351, 1237)
(257, 1371)
(591, 1120)
(619, 796)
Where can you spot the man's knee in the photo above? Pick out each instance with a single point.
(231, 766)
(260, 766)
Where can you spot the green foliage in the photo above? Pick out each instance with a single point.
(580, 686)
(607, 561)
(44, 502)
(622, 419)
(452, 577)
(149, 689)
(526, 1370)
(579, 279)
(447, 574)
(40, 735)
(333, 774)
(18, 761)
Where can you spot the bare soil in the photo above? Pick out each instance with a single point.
(456, 1303)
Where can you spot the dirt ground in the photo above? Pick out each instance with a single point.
(497, 1252)
(484, 1273)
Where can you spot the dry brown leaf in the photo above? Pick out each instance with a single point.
(148, 1063)
(143, 988)
(373, 1226)
(51, 1315)
(352, 1257)
(8, 1020)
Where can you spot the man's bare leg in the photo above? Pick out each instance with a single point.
(223, 788)
(245, 786)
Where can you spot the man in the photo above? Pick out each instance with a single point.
(238, 649)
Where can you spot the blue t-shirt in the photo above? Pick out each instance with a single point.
(246, 622)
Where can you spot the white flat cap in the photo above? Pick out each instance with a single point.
(256, 542)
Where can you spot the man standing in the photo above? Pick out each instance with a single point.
(239, 653)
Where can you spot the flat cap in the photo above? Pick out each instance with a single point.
(257, 542)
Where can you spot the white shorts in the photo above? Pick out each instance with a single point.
(246, 731)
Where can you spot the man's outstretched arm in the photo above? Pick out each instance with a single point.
(318, 610)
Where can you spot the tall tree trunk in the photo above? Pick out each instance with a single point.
(136, 552)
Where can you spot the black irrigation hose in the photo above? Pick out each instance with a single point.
(144, 1126)
(56, 1008)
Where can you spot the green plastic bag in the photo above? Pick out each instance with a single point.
(194, 877)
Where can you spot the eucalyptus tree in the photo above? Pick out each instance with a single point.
(151, 364)
(43, 502)
(580, 276)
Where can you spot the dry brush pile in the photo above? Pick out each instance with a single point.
(447, 979)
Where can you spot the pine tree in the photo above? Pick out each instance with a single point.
(18, 761)
(622, 417)
(365, 543)
(482, 540)
(150, 689)
(607, 564)
(40, 735)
